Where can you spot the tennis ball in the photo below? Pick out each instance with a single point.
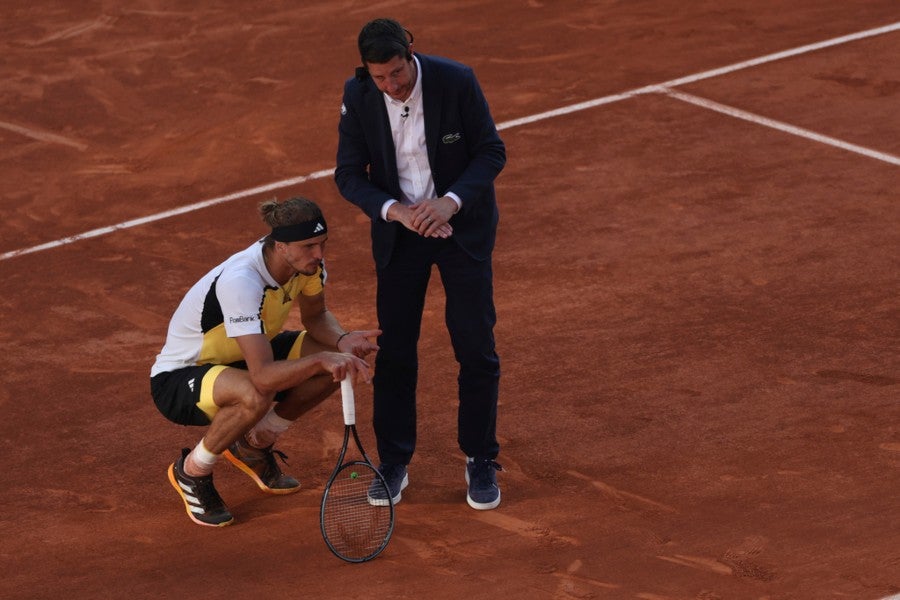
(354, 475)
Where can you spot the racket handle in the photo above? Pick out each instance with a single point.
(349, 401)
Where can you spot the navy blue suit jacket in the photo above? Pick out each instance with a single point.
(465, 153)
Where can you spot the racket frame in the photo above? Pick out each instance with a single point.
(349, 407)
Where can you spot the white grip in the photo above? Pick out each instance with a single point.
(348, 400)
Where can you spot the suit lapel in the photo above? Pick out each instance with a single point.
(431, 103)
(376, 113)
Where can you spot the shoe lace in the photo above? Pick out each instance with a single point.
(393, 475)
(206, 493)
(482, 470)
(271, 463)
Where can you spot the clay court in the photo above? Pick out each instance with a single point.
(697, 277)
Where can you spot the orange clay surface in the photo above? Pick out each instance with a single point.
(698, 314)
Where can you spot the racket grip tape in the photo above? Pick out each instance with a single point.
(348, 401)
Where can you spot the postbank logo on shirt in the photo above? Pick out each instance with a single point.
(244, 319)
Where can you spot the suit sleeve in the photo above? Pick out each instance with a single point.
(354, 157)
(487, 153)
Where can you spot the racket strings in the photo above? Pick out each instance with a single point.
(355, 528)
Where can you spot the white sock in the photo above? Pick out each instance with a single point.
(267, 430)
(202, 460)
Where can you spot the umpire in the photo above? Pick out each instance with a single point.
(418, 153)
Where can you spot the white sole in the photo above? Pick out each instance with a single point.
(395, 499)
(481, 505)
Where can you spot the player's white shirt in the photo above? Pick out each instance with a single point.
(238, 297)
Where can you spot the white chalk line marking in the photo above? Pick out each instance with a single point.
(785, 54)
(42, 136)
(170, 213)
(781, 126)
(76, 30)
(664, 88)
(701, 76)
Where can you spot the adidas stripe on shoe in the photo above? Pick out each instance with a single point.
(202, 502)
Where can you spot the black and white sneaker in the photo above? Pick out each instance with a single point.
(396, 478)
(481, 477)
(201, 500)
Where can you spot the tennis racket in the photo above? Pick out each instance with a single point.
(354, 529)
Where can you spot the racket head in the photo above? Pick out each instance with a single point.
(355, 529)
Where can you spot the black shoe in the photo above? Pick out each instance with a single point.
(260, 465)
(201, 500)
(481, 477)
(396, 478)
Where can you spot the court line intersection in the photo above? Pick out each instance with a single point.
(665, 88)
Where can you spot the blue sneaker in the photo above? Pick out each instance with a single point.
(481, 477)
(396, 478)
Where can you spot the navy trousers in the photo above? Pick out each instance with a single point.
(470, 317)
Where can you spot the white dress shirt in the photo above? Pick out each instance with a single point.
(408, 131)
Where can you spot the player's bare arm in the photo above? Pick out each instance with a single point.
(269, 375)
(318, 321)
(321, 324)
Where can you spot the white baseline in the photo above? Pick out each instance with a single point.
(664, 88)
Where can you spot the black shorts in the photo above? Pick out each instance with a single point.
(180, 394)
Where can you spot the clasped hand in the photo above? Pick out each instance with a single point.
(429, 218)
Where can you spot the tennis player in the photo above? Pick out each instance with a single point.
(229, 365)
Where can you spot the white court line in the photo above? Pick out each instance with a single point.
(780, 126)
(43, 136)
(658, 88)
(169, 213)
(785, 54)
(700, 76)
